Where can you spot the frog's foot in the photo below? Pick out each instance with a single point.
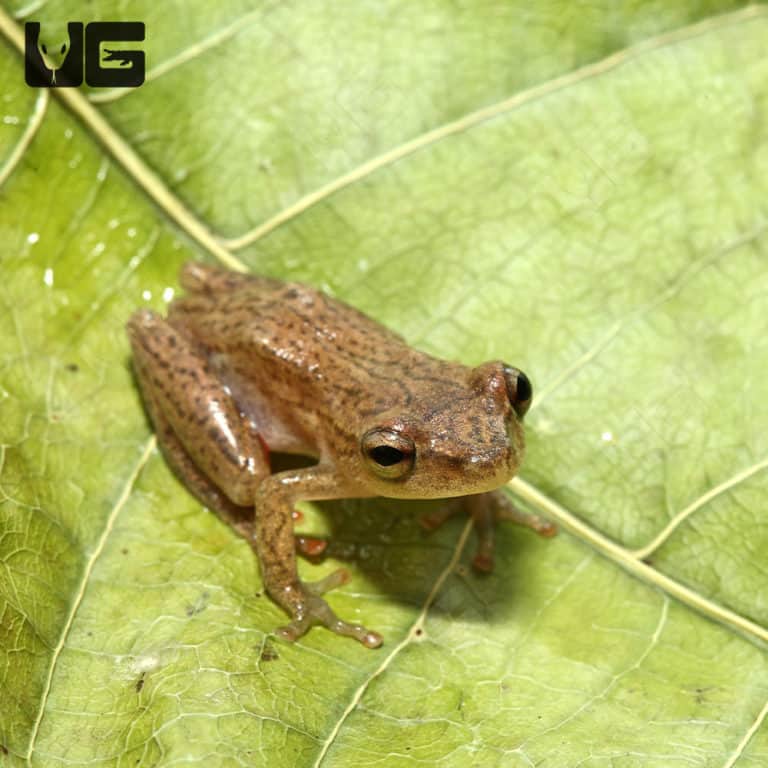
(307, 607)
(486, 510)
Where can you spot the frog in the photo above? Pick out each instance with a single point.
(243, 366)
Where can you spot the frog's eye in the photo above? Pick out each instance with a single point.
(388, 453)
(519, 390)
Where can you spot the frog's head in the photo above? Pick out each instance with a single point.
(451, 442)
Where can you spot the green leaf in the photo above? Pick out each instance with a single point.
(576, 188)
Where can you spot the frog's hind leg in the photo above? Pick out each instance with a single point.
(176, 376)
(239, 516)
(199, 278)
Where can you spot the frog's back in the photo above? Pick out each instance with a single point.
(297, 342)
(272, 316)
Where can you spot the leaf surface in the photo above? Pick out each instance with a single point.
(577, 189)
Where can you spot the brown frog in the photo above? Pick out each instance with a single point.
(244, 365)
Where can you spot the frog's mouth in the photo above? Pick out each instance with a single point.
(491, 470)
(477, 472)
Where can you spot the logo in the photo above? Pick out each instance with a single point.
(61, 65)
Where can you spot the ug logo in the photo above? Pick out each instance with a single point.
(62, 64)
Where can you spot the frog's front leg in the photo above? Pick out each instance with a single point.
(486, 510)
(274, 544)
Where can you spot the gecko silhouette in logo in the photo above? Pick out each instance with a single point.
(122, 56)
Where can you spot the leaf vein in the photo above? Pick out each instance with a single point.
(751, 731)
(694, 506)
(681, 280)
(84, 581)
(484, 115)
(412, 634)
(626, 559)
(134, 165)
(33, 124)
(652, 643)
(185, 55)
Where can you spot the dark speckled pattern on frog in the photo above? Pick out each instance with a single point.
(246, 364)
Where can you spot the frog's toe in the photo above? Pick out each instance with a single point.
(367, 637)
(293, 631)
(331, 581)
(314, 610)
(324, 615)
(321, 613)
(506, 510)
(483, 560)
(309, 546)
